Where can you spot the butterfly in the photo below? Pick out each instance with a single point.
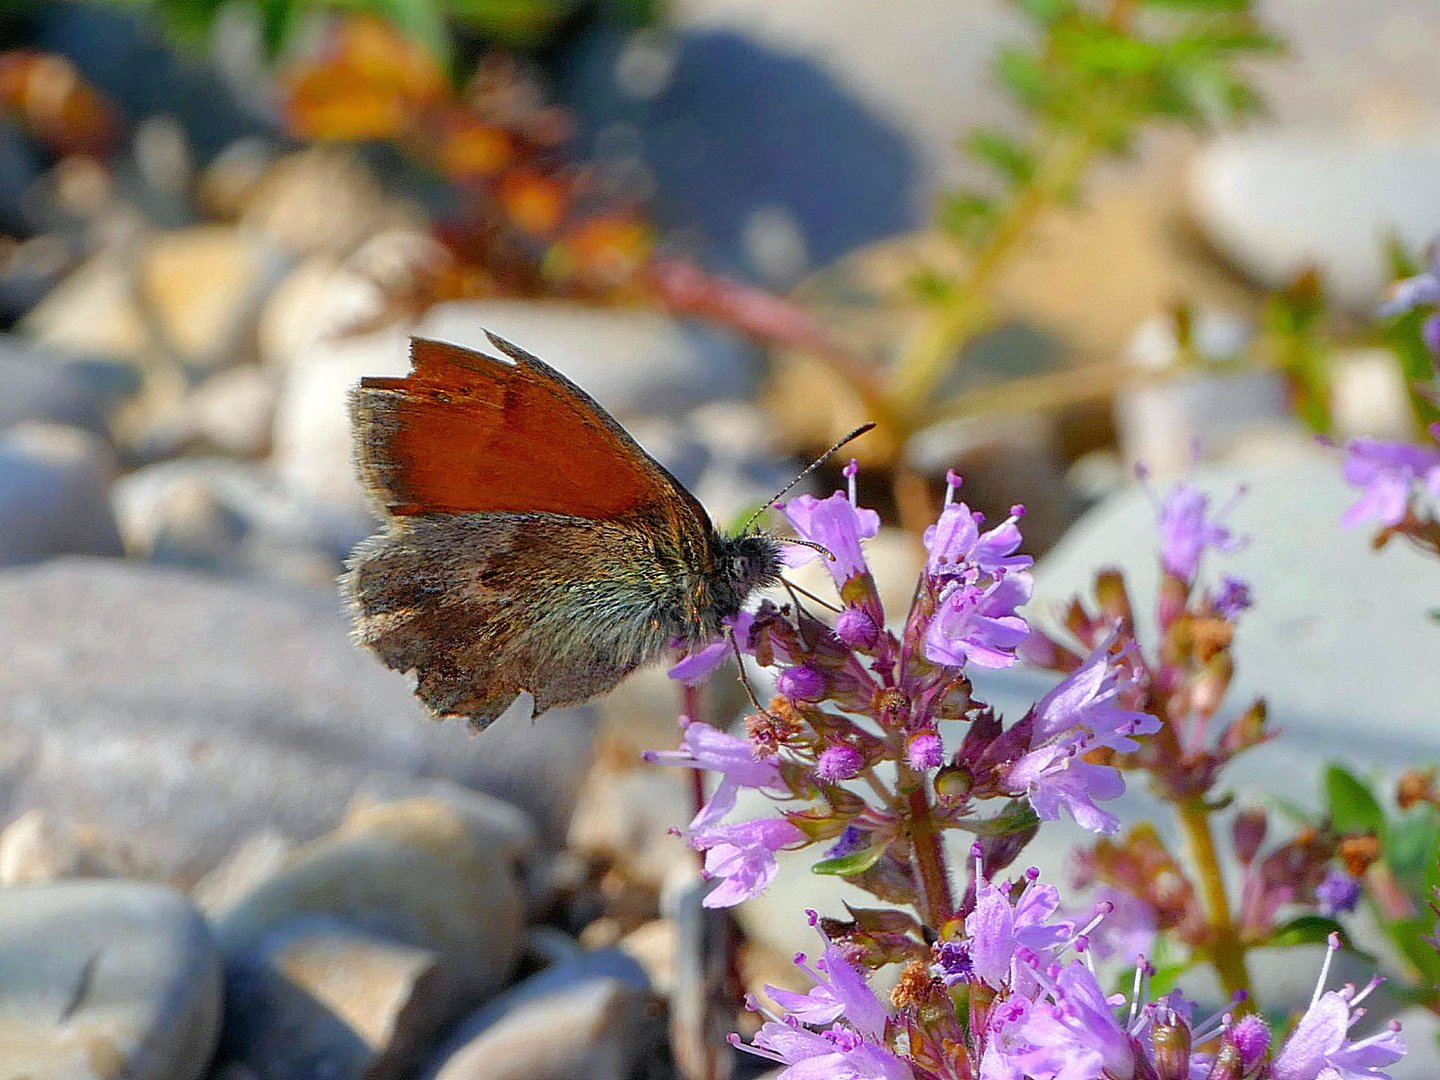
(529, 543)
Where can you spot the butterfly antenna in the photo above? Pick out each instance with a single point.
(826, 456)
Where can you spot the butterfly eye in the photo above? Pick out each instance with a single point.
(739, 566)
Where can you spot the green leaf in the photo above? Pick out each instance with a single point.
(1412, 849)
(1408, 936)
(512, 22)
(965, 215)
(1003, 154)
(1352, 807)
(1022, 73)
(1306, 930)
(857, 862)
(930, 285)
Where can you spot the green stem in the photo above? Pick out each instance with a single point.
(1226, 951)
(931, 350)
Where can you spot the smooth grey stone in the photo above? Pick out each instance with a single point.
(186, 713)
(1277, 201)
(54, 500)
(584, 1018)
(349, 961)
(38, 384)
(104, 979)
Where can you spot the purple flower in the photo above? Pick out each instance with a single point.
(1422, 290)
(955, 541)
(837, 1054)
(1320, 1048)
(1233, 597)
(706, 747)
(1079, 715)
(855, 628)
(1337, 892)
(952, 961)
(1127, 929)
(1074, 1036)
(849, 1051)
(698, 666)
(1430, 334)
(837, 524)
(1388, 473)
(1250, 1036)
(851, 839)
(1187, 528)
(977, 623)
(742, 855)
(1089, 698)
(997, 929)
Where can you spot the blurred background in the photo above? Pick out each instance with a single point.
(1039, 242)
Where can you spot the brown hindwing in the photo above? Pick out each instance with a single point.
(484, 606)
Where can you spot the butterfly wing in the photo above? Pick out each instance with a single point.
(469, 432)
(530, 543)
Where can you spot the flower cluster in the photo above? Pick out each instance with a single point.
(876, 745)
(1036, 1011)
(852, 695)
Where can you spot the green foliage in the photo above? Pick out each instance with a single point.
(1404, 879)
(1093, 76)
(514, 23)
(1352, 807)
(856, 862)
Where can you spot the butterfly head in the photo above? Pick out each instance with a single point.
(744, 563)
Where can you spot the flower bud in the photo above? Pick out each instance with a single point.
(802, 682)
(839, 762)
(857, 629)
(1247, 833)
(1171, 1039)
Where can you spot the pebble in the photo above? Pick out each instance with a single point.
(38, 384)
(418, 900)
(588, 1017)
(203, 285)
(630, 809)
(318, 997)
(54, 500)
(187, 713)
(804, 172)
(235, 517)
(119, 978)
(1277, 201)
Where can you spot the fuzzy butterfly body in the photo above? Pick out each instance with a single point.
(529, 544)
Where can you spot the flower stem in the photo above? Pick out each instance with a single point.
(931, 351)
(927, 855)
(1226, 951)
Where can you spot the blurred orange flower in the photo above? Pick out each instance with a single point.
(50, 99)
(370, 82)
(470, 150)
(533, 202)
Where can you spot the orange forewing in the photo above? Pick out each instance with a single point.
(467, 432)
